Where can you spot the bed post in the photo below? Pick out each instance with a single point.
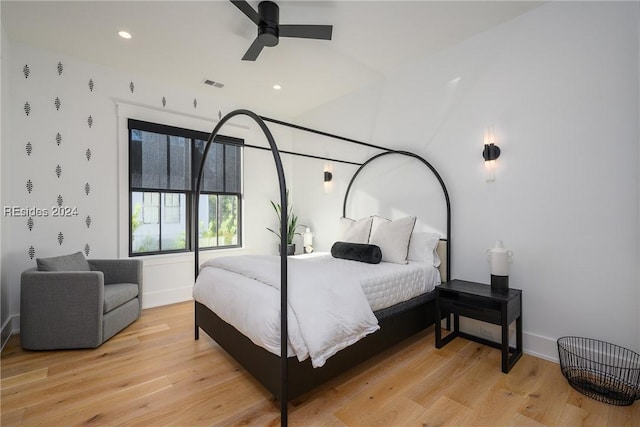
(283, 245)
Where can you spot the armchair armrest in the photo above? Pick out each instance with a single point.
(61, 309)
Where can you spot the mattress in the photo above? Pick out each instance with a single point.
(253, 307)
(387, 284)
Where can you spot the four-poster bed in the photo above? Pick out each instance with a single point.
(285, 376)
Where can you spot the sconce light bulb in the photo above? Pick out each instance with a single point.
(490, 170)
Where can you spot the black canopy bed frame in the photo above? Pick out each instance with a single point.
(286, 377)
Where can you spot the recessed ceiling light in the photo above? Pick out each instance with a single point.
(277, 87)
(124, 35)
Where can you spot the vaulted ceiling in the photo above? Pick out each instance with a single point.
(184, 42)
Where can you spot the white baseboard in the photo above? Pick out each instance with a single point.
(166, 297)
(539, 346)
(11, 326)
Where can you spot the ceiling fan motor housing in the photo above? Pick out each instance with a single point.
(267, 19)
(270, 17)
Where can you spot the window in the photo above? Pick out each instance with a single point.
(172, 208)
(163, 168)
(150, 208)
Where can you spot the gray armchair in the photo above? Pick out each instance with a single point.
(80, 304)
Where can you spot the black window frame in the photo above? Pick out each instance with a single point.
(190, 213)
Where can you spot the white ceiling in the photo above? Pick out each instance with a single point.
(184, 42)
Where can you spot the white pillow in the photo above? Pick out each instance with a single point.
(354, 231)
(393, 238)
(423, 248)
(377, 220)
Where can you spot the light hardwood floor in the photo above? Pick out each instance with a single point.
(154, 373)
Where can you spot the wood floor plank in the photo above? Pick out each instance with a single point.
(395, 382)
(526, 374)
(12, 418)
(84, 410)
(597, 413)
(341, 390)
(472, 391)
(445, 411)
(574, 416)
(213, 405)
(141, 332)
(497, 405)
(155, 373)
(68, 380)
(21, 379)
(520, 420)
(547, 397)
(436, 382)
(398, 411)
(265, 413)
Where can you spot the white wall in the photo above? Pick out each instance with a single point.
(168, 278)
(560, 86)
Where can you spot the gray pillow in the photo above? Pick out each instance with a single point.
(73, 262)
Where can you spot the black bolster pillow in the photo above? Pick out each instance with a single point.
(357, 252)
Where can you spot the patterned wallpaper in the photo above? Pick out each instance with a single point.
(61, 170)
(53, 167)
(64, 148)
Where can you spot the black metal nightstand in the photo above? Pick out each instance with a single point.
(478, 301)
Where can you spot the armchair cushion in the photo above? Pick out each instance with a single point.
(72, 262)
(117, 294)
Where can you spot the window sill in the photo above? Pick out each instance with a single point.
(182, 257)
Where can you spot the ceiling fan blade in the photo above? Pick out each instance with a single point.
(322, 32)
(254, 49)
(248, 10)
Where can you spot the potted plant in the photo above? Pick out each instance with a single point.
(292, 225)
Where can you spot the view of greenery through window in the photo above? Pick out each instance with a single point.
(222, 229)
(163, 166)
(147, 218)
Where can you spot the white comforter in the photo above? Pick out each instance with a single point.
(327, 310)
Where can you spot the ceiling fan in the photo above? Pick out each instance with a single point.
(267, 19)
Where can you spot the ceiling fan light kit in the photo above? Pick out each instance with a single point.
(267, 18)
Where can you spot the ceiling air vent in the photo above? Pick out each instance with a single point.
(212, 83)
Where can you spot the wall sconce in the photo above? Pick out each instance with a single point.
(328, 176)
(490, 153)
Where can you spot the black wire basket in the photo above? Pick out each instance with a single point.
(602, 371)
